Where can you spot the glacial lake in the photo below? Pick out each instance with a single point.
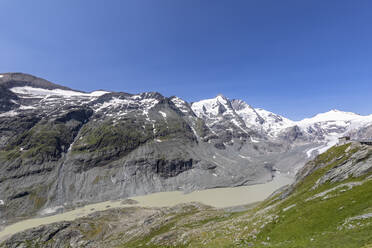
(218, 198)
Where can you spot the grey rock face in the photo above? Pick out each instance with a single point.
(360, 163)
(110, 228)
(7, 99)
(41, 234)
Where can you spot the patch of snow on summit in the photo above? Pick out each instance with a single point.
(180, 104)
(98, 93)
(210, 107)
(333, 115)
(27, 90)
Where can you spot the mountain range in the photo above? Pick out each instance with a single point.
(61, 148)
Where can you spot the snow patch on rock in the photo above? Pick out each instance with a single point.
(23, 107)
(163, 114)
(52, 210)
(27, 90)
(10, 113)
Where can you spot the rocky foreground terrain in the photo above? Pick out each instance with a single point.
(61, 148)
(329, 205)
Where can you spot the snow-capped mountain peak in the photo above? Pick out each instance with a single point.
(261, 120)
(274, 123)
(247, 113)
(332, 115)
(212, 107)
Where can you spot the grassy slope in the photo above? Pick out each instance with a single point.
(315, 223)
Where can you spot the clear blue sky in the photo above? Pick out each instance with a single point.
(295, 58)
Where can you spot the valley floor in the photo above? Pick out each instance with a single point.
(217, 198)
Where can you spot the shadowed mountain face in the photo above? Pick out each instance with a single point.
(61, 148)
(10, 80)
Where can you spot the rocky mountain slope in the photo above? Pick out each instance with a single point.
(329, 205)
(60, 148)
